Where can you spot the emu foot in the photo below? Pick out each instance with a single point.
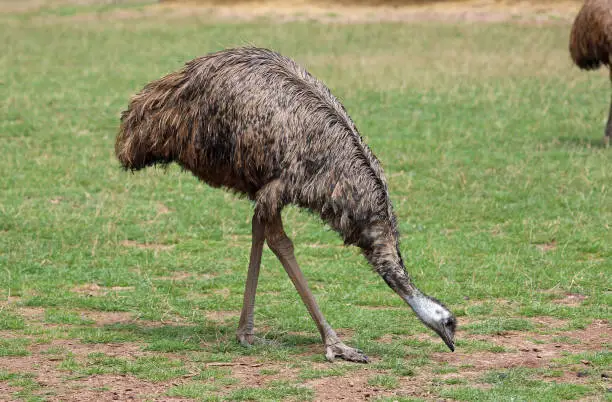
(344, 352)
(606, 141)
(245, 339)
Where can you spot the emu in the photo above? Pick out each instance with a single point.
(591, 42)
(257, 123)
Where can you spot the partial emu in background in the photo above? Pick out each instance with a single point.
(255, 122)
(591, 42)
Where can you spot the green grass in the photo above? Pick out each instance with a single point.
(275, 391)
(192, 390)
(25, 383)
(151, 368)
(13, 347)
(312, 373)
(384, 381)
(491, 143)
(517, 385)
(53, 316)
(10, 320)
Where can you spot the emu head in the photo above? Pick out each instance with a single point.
(435, 316)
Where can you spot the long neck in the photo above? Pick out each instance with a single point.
(384, 256)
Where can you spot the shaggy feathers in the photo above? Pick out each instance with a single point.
(256, 122)
(591, 36)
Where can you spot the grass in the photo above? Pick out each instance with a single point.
(517, 385)
(275, 391)
(490, 140)
(150, 368)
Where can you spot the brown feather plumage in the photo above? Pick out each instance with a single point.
(591, 36)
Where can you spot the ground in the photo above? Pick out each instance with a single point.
(121, 286)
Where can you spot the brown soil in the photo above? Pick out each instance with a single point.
(93, 289)
(222, 316)
(530, 350)
(547, 246)
(571, 299)
(533, 350)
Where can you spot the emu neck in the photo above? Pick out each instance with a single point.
(397, 278)
(387, 261)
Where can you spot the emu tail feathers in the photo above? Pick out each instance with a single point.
(590, 42)
(153, 128)
(584, 53)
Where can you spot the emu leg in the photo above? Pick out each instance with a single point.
(245, 334)
(282, 247)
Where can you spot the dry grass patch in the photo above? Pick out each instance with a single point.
(221, 315)
(278, 11)
(93, 289)
(147, 246)
(571, 299)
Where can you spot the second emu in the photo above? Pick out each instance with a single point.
(253, 121)
(591, 42)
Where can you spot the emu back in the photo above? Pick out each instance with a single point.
(241, 118)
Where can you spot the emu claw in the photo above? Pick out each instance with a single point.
(344, 352)
(245, 340)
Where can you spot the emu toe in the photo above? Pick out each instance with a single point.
(344, 352)
(245, 339)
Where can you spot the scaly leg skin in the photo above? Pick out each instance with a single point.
(245, 334)
(282, 247)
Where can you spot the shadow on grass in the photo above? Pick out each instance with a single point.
(207, 337)
(583, 141)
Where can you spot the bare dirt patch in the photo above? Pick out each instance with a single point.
(183, 275)
(529, 349)
(51, 379)
(32, 313)
(544, 247)
(353, 387)
(114, 387)
(93, 289)
(247, 370)
(571, 299)
(548, 322)
(123, 349)
(221, 316)
(109, 317)
(162, 209)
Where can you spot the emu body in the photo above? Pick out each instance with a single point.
(591, 42)
(255, 122)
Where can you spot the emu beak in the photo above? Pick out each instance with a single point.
(447, 337)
